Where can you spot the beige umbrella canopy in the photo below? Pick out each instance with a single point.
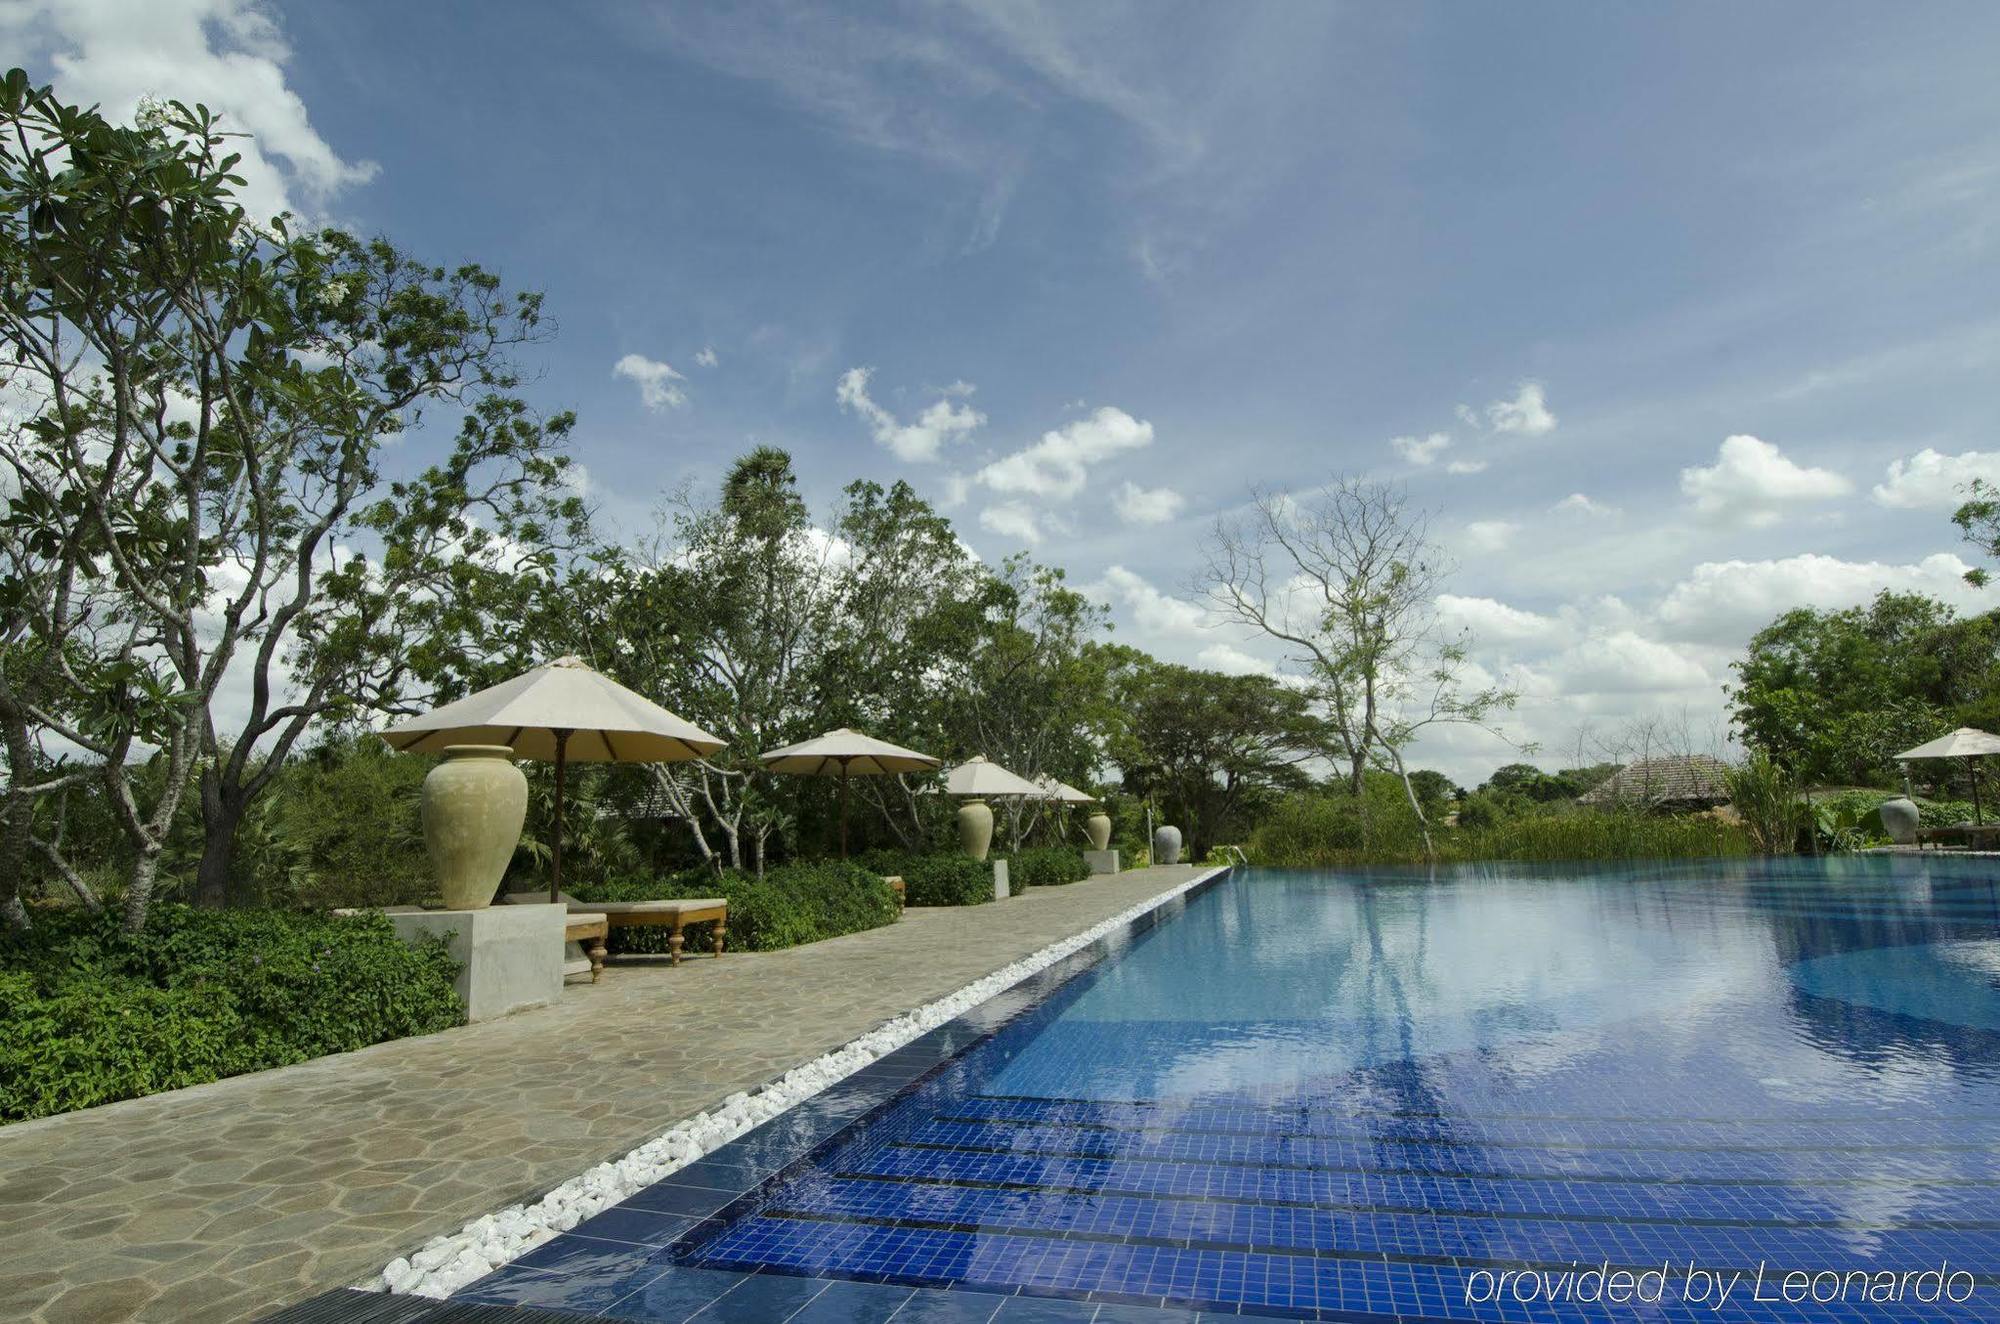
(1966, 743)
(1064, 792)
(845, 753)
(979, 777)
(563, 711)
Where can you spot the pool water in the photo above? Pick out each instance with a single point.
(1396, 1096)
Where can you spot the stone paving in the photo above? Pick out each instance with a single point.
(227, 1200)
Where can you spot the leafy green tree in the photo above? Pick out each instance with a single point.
(1212, 749)
(213, 403)
(1832, 695)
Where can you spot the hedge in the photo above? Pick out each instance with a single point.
(948, 878)
(790, 905)
(89, 1014)
(1048, 866)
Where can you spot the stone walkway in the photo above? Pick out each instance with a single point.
(227, 1200)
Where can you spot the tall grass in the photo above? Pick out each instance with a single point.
(1323, 831)
(1771, 803)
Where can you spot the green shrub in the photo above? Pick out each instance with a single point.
(947, 879)
(1048, 866)
(1943, 813)
(92, 1014)
(792, 904)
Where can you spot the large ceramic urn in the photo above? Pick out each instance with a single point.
(1098, 825)
(975, 828)
(1167, 845)
(1899, 820)
(474, 804)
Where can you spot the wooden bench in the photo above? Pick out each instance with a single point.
(593, 929)
(677, 912)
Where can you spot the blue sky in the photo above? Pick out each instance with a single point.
(1673, 317)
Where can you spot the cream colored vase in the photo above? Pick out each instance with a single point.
(474, 804)
(975, 828)
(1098, 825)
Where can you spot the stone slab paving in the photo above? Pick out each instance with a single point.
(231, 1199)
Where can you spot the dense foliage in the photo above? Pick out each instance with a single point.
(1048, 866)
(1833, 695)
(788, 906)
(945, 878)
(91, 1013)
(1213, 752)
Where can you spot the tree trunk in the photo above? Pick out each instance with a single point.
(139, 888)
(221, 816)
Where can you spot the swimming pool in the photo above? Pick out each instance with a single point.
(1502, 1093)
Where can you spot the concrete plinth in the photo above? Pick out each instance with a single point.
(1101, 861)
(999, 880)
(510, 957)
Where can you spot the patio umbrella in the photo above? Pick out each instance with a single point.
(979, 778)
(845, 753)
(561, 710)
(1063, 792)
(1966, 743)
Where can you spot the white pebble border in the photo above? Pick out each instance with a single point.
(448, 1263)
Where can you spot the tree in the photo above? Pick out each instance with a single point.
(1833, 695)
(1211, 749)
(1347, 580)
(213, 399)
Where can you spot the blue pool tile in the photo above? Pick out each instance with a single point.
(673, 1196)
(1045, 1310)
(586, 1259)
(853, 1303)
(929, 1306)
(643, 1227)
(1120, 1313)
(762, 1299)
(672, 1296)
(722, 1171)
(517, 1286)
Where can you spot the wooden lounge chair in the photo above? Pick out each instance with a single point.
(678, 912)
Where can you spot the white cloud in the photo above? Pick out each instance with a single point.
(1527, 413)
(1931, 480)
(655, 381)
(1576, 503)
(1491, 621)
(1058, 466)
(1466, 467)
(1422, 451)
(1155, 613)
(706, 358)
(230, 55)
(1490, 535)
(957, 487)
(1752, 480)
(1727, 601)
(1235, 662)
(1625, 662)
(1146, 505)
(940, 422)
(1012, 519)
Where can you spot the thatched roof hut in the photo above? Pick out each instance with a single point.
(1677, 781)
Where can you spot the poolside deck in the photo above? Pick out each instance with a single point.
(231, 1199)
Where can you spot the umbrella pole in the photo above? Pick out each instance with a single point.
(1972, 771)
(843, 808)
(555, 855)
